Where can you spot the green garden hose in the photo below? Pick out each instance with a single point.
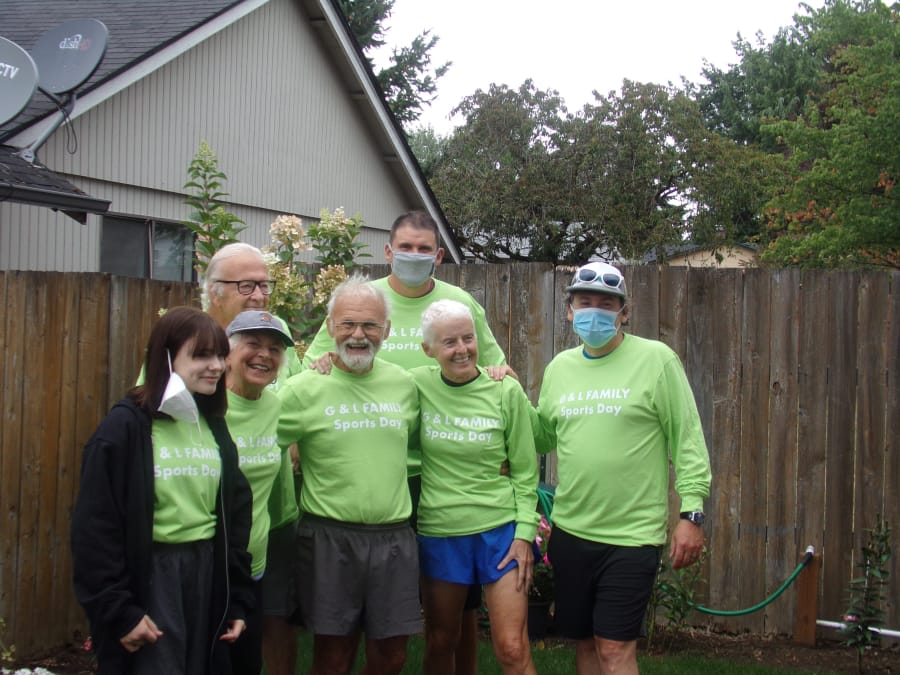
(781, 589)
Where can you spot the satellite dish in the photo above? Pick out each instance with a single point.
(18, 79)
(67, 55)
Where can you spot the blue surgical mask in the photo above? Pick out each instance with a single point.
(413, 269)
(595, 326)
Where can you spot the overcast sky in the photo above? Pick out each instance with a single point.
(576, 46)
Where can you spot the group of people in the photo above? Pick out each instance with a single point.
(193, 553)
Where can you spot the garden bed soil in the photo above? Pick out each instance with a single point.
(777, 652)
(770, 651)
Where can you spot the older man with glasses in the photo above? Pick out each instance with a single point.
(617, 409)
(357, 564)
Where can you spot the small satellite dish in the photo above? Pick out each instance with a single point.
(67, 55)
(18, 79)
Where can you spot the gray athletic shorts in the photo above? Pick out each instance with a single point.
(277, 591)
(351, 576)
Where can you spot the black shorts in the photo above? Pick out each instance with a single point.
(601, 590)
(277, 589)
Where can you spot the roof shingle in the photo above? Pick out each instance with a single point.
(137, 29)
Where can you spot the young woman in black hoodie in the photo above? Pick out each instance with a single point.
(162, 519)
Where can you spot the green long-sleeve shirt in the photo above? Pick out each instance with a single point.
(466, 433)
(615, 422)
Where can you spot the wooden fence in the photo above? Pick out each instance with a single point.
(795, 374)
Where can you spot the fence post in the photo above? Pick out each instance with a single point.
(807, 603)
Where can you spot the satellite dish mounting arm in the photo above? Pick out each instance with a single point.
(66, 106)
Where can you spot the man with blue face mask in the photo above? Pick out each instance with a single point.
(617, 409)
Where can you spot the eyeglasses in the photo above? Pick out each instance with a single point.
(608, 279)
(370, 328)
(247, 286)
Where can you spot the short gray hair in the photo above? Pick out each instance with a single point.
(212, 269)
(359, 285)
(440, 310)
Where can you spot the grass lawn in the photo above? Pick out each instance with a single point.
(559, 659)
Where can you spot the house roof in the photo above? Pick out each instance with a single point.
(33, 183)
(137, 30)
(670, 252)
(146, 34)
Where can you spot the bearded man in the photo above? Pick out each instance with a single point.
(356, 556)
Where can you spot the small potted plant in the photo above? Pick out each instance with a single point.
(540, 595)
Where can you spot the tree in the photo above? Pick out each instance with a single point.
(632, 146)
(769, 82)
(410, 81)
(502, 181)
(841, 208)
(523, 179)
(428, 147)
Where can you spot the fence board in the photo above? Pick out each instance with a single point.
(723, 442)
(700, 336)
(837, 562)
(7, 477)
(69, 466)
(892, 444)
(782, 467)
(643, 291)
(496, 307)
(753, 442)
(816, 348)
(12, 463)
(448, 273)
(563, 334)
(47, 450)
(34, 394)
(673, 283)
(474, 279)
(871, 367)
(530, 349)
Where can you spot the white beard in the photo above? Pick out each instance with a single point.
(356, 362)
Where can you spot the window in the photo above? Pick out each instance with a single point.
(153, 249)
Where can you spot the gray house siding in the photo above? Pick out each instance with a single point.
(36, 238)
(264, 93)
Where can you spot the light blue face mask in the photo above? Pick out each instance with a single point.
(595, 326)
(413, 269)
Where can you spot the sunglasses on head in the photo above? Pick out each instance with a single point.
(608, 279)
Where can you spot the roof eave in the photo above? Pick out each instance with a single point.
(74, 206)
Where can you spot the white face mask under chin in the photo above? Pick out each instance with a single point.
(177, 401)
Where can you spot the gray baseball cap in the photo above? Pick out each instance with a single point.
(256, 319)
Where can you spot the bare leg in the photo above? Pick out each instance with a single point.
(606, 657)
(443, 603)
(334, 654)
(586, 660)
(385, 657)
(508, 608)
(467, 648)
(279, 646)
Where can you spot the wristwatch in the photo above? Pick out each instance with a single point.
(696, 517)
